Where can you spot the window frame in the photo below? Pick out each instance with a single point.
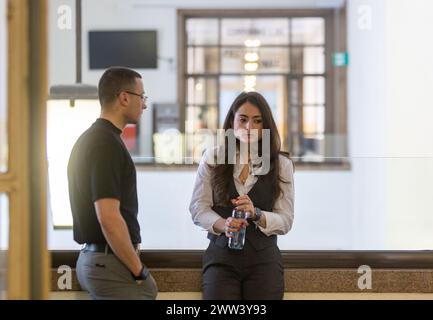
(335, 24)
(24, 183)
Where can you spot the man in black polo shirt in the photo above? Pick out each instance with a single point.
(103, 195)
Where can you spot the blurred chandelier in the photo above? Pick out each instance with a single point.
(251, 64)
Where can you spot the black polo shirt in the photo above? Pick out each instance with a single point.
(100, 167)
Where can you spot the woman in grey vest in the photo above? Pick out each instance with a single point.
(248, 173)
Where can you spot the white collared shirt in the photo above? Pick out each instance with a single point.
(278, 222)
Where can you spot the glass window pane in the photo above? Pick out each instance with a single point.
(315, 147)
(3, 91)
(168, 147)
(273, 88)
(255, 32)
(202, 91)
(4, 243)
(202, 60)
(313, 120)
(201, 126)
(166, 116)
(335, 146)
(255, 60)
(311, 147)
(202, 31)
(308, 31)
(201, 117)
(314, 90)
(308, 60)
(64, 126)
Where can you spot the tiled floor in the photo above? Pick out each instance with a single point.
(78, 295)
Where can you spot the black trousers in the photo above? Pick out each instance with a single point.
(242, 275)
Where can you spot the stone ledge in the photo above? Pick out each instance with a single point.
(81, 295)
(298, 280)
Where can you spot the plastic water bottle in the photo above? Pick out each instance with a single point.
(238, 239)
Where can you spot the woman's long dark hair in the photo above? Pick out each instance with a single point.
(222, 174)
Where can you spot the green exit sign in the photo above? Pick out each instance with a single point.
(340, 59)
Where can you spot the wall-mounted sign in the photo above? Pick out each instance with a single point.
(340, 59)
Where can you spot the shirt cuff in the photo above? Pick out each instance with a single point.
(211, 230)
(269, 223)
(210, 223)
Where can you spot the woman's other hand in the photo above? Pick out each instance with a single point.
(234, 225)
(245, 204)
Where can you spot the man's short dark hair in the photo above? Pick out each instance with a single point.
(115, 80)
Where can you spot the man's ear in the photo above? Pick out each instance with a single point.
(123, 99)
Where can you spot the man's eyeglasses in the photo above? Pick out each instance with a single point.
(142, 96)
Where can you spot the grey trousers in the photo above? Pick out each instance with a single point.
(105, 277)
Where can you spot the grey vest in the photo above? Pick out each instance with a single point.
(261, 196)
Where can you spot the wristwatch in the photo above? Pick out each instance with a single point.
(258, 214)
(144, 273)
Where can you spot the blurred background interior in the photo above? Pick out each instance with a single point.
(349, 84)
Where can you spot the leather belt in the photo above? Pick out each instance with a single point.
(105, 248)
